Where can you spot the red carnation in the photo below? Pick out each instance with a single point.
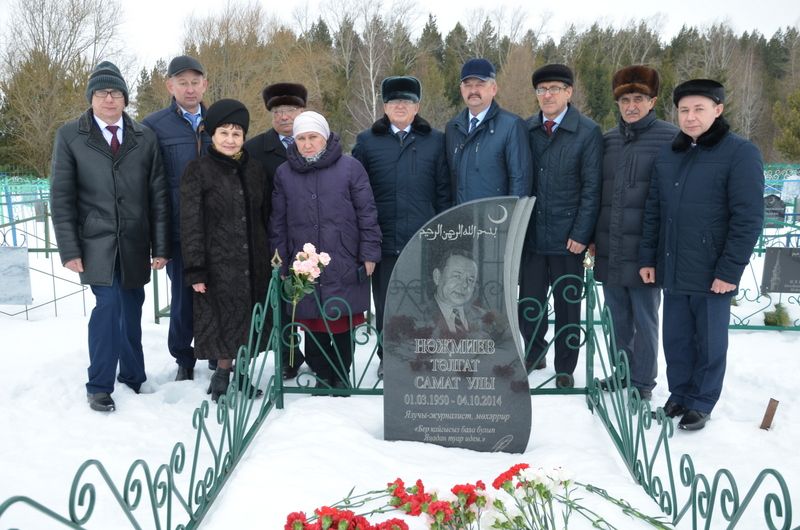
(441, 511)
(467, 491)
(295, 521)
(508, 475)
(392, 524)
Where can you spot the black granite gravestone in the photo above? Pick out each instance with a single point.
(774, 211)
(781, 271)
(453, 358)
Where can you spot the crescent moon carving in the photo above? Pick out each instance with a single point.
(502, 218)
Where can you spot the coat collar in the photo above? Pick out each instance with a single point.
(708, 139)
(272, 143)
(569, 123)
(463, 121)
(630, 131)
(133, 131)
(332, 154)
(384, 126)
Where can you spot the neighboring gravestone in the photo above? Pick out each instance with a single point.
(15, 277)
(774, 211)
(453, 358)
(781, 271)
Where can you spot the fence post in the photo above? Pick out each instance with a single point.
(10, 208)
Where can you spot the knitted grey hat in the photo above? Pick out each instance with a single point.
(106, 75)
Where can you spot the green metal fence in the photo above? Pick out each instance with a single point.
(178, 493)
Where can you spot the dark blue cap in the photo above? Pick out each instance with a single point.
(480, 68)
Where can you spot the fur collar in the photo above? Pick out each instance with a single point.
(384, 126)
(708, 139)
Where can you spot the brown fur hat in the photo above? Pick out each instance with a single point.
(636, 78)
(293, 94)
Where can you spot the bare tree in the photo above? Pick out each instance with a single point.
(56, 43)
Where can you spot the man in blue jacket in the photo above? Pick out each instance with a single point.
(404, 158)
(567, 150)
(703, 216)
(487, 148)
(182, 138)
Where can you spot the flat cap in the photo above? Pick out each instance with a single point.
(401, 87)
(699, 87)
(553, 72)
(182, 63)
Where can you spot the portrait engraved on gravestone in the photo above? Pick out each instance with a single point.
(774, 211)
(453, 369)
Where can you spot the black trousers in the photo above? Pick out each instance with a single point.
(380, 287)
(537, 274)
(339, 350)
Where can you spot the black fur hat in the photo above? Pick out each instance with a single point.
(699, 87)
(227, 111)
(636, 78)
(278, 94)
(553, 72)
(401, 87)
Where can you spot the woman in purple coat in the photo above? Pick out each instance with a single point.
(323, 197)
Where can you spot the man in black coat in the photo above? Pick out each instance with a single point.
(703, 216)
(182, 137)
(111, 213)
(567, 150)
(285, 101)
(405, 160)
(629, 152)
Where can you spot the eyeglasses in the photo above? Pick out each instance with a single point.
(103, 94)
(553, 90)
(284, 111)
(400, 102)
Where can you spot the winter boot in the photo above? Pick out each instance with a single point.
(219, 383)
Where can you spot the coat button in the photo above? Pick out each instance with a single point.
(244, 219)
(247, 273)
(676, 184)
(313, 195)
(244, 246)
(316, 227)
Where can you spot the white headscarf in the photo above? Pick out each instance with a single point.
(310, 121)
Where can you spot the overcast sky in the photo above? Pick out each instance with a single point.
(164, 20)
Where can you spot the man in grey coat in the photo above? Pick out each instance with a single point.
(628, 155)
(111, 213)
(487, 148)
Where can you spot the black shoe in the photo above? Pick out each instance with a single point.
(673, 410)
(249, 388)
(212, 364)
(530, 366)
(289, 372)
(184, 374)
(380, 369)
(219, 383)
(322, 387)
(101, 402)
(565, 381)
(645, 395)
(694, 420)
(610, 383)
(339, 384)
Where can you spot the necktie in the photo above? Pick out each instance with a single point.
(472, 124)
(458, 323)
(287, 141)
(114, 139)
(401, 135)
(548, 127)
(193, 119)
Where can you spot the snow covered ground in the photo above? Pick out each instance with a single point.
(316, 449)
